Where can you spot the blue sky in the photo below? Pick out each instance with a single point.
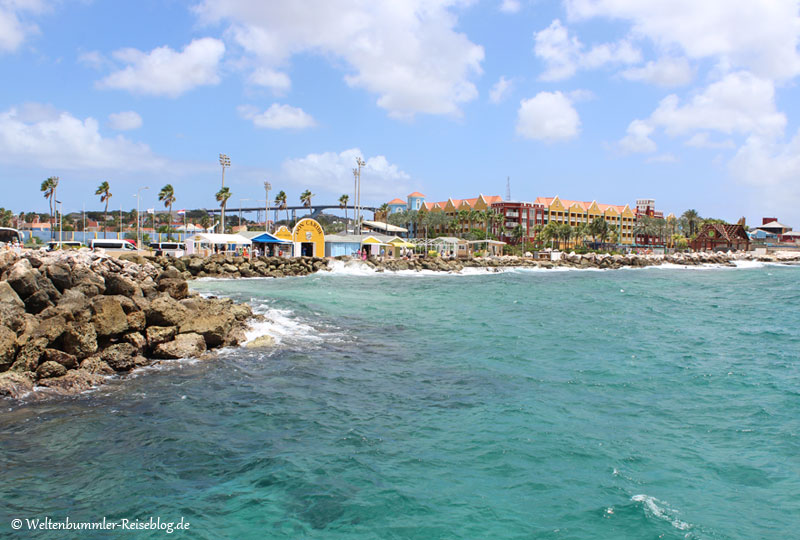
(692, 103)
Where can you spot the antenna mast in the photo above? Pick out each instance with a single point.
(508, 188)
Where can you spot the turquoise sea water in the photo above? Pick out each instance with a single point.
(657, 403)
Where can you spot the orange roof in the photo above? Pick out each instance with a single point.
(492, 198)
(397, 201)
(416, 194)
(547, 201)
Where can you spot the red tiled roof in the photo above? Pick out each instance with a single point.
(416, 194)
(397, 201)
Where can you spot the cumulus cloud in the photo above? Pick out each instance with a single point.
(125, 120)
(738, 104)
(278, 81)
(14, 24)
(702, 139)
(761, 37)
(332, 174)
(564, 55)
(510, 6)
(58, 140)
(500, 90)
(407, 53)
(277, 117)
(548, 116)
(166, 72)
(665, 71)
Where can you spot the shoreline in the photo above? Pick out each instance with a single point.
(72, 321)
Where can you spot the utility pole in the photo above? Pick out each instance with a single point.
(267, 187)
(225, 161)
(60, 217)
(138, 219)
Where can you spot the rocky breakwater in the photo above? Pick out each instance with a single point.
(227, 266)
(68, 320)
(568, 260)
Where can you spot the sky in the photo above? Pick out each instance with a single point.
(694, 104)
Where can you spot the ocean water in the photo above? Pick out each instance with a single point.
(655, 403)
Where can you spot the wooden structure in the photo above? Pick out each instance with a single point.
(715, 236)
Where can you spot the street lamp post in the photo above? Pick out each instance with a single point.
(267, 187)
(361, 163)
(60, 218)
(355, 196)
(225, 161)
(138, 219)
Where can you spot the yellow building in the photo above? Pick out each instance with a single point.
(462, 211)
(620, 219)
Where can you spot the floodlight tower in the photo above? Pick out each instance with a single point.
(361, 163)
(225, 161)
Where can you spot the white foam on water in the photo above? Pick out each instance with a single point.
(284, 326)
(659, 509)
(350, 268)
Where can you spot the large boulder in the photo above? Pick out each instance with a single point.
(8, 348)
(137, 340)
(50, 369)
(8, 295)
(94, 364)
(60, 357)
(119, 284)
(177, 288)
(37, 302)
(14, 384)
(121, 357)
(29, 355)
(184, 346)
(60, 274)
(109, 318)
(166, 311)
(80, 339)
(73, 382)
(22, 278)
(50, 329)
(213, 324)
(137, 321)
(156, 335)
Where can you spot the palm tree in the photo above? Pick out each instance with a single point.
(580, 233)
(692, 218)
(305, 198)
(280, 202)
(550, 232)
(167, 194)
(48, 187)
(222, 197)
(105, 195)
(384, 209)
(205, 222)
(518, 233)
(343, 204)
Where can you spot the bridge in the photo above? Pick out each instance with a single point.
(316, 210)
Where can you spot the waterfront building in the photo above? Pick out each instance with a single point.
(460, 215)
(716, 236)
(647, 208)
(620, 218)
(519, 220)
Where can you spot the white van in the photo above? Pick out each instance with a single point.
(66, 244)
(111, 244)
(169, 249)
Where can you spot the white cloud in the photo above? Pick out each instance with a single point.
(44, 137)
(510, 6)
(738, 104)
(665, 71)
(277, 117)
(563, 54)
(165, 72)
(125, 120)
(638, 138)
(702, 139)
(408, 53)
(14, 28)
(278, 81)
(332, 174)
(548, 116)
(759, 36)
(500, 90)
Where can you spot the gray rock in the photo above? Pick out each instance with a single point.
(119, 284)
(22, 278)
(177, 288)
(157, 335)
(8, 348)
(261, 342)
(121, 357)
(137, 321)
(109, 318)
(14, 384)
(37, 302)
(166, 311)
(29, 355)
(184, 346)
(73, 382)
(50, 369)
(80, 340)
(8, 295)
(137, 340)
(60, 274)
(67, 360)
(94, 364)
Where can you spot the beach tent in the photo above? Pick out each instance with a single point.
(268, 244)
(398, 245)
(207, 244)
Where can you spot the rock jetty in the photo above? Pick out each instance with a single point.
(70, 319)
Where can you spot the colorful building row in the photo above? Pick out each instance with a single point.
(528, 215)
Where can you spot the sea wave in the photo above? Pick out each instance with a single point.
(661, 510)
(286, 327)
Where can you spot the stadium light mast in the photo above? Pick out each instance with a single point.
(225, 161)
(361, 163)
(267, 187)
